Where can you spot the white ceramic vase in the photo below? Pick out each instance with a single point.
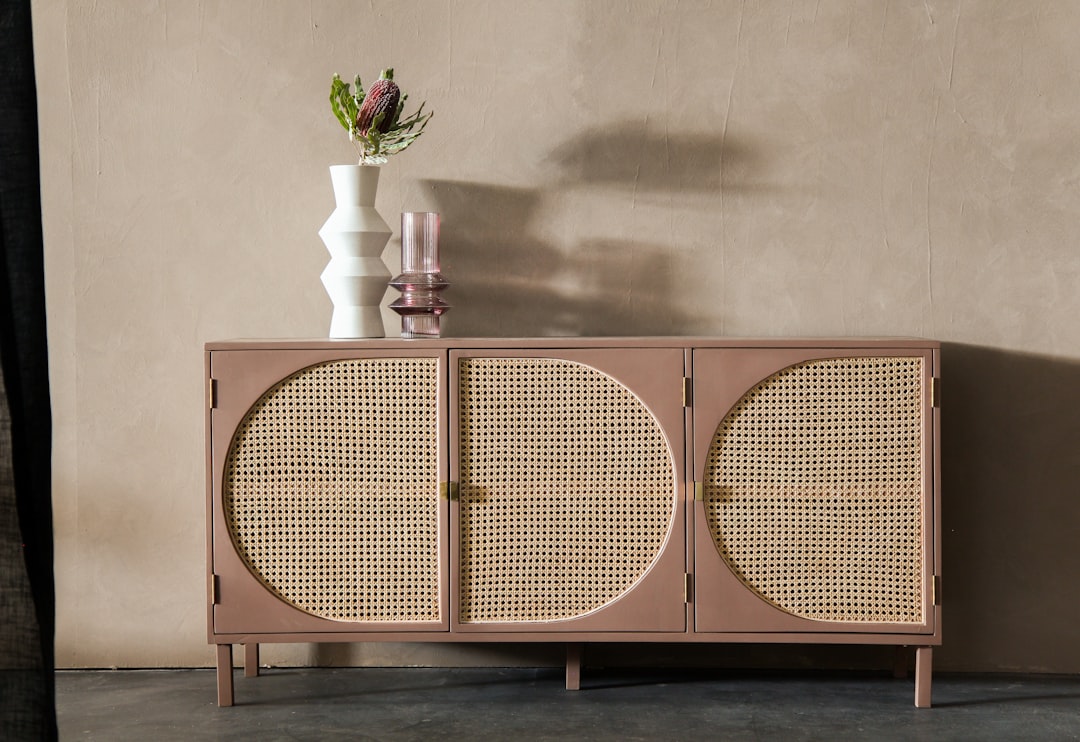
(356, 277)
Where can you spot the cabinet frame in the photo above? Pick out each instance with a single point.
(655, 603)
(714, 398)
(263, 620)
(238, 601)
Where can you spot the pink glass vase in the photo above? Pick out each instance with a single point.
(420, 282)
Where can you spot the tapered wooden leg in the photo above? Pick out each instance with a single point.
(924, 660)
(251, 660)
(901, 658)
(224, 675)
(573, 666)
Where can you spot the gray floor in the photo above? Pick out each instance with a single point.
(517, 704)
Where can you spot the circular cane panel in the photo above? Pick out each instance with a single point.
(566, 489)
(814, 489)
(331, 490)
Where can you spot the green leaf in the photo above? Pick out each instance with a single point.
(338, 89)
(402, 136)
(374, 136)
(375, 122)
(416, 119)
(397, 112)
(359, 95)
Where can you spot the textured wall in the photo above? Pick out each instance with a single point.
(602, 167)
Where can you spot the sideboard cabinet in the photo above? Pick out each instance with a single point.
(573, 490)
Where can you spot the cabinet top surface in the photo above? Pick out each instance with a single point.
(572, 342)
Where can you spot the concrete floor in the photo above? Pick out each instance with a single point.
(531, 704)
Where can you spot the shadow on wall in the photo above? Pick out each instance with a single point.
(627, 155)
(1011, 510)
(512, 282)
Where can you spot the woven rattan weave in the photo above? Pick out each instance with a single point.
(566, 489)
(814, 489)
(331, 490)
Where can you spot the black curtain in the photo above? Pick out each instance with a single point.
(27, 599)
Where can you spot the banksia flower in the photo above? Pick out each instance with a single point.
(380, 105)
(374, 120)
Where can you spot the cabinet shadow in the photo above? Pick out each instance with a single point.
(1011, 510)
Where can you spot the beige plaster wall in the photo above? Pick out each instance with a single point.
(602, 167)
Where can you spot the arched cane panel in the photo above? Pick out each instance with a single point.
(813, 489)
(331, 490)
(566, 489)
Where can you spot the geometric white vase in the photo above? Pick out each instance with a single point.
(356, 277)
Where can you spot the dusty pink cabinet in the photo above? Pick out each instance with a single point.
(572, 490)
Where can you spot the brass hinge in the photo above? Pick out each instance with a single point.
(687, 391)
(935, 391)
(212, 392)
(448, 491)
(688, 588)
(215, 589)
(699, 491)
(937, 590)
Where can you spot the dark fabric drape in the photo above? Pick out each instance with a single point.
(27, 600)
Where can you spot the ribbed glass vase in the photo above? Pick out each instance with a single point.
(421, 281)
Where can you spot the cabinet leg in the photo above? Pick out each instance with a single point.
(224, 675)
(251, 660)
(573, 665)
(924, 657)
(901, 658)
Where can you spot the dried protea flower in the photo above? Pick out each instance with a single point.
(380, 105)
(373, 119)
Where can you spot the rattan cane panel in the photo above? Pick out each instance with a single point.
(331, 490)
(566, 490)
(814, 489)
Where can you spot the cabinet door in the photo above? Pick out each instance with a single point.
(569, 515)
(816, 508)
(325, 504)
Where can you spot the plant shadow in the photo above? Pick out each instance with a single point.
(631, 155)
(508, 281)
